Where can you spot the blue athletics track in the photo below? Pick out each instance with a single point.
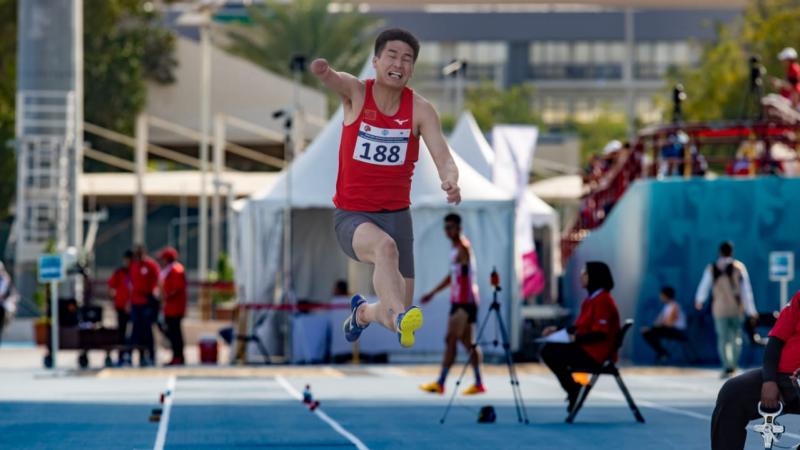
(375, 407)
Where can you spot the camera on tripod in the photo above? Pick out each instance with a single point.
(487, 414)
(494, 279)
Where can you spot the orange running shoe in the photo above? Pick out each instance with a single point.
(433, 387)
(474, 389)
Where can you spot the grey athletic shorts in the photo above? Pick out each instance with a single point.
(396, 224)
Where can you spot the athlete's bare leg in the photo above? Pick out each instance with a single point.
(455, 331)
(467, 342)
(373, 245)
(409, 300)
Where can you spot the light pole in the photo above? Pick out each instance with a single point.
(201, 18)
(457, 69)
(292, 125)
(292, 118)
(218, 161)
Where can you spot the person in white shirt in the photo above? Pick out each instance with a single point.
(8, 298)
(732, 297)
(670, 324)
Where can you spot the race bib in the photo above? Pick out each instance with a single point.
(381, 146)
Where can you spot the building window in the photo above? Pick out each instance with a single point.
(554, 109)
(485, 59)
(580, 60)
(647, 110)
(581, 53)
(654, 58)
(429, 53)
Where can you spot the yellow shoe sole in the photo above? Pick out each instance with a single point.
(411, 322)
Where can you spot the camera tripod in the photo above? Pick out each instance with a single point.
(494, 311)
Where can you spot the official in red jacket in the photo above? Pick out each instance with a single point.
(173, 296)
(144, 306)
(120, 289)
(591, 340)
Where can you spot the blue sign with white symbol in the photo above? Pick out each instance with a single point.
(781, 266)
(51, 268)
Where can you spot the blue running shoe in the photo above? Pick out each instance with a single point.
(350, 327)
(407, 323)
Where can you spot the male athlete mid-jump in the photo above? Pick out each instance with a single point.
(383, 121)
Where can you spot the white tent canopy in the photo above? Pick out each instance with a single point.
(468, 141)
(564, 188)
(487, 217)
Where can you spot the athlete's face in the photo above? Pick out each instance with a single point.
(395, 64)
(584, 279)
(452, 230)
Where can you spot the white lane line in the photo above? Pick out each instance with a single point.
(652, 405)
(684, 412)
(692, 414)
(321, 414)
(163, 425)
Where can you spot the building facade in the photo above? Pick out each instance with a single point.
(581, 61)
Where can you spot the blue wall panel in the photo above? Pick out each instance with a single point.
(666, 232)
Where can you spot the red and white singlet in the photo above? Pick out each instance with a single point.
(463, 288)
(377, 154)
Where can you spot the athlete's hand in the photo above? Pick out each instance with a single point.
(319, 66)
(426, 298)
(698, 306)
(548, 331)
(453, 192)
(770, 395)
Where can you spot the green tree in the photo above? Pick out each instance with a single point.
(124, 47)
(448, 122)
(595, 134)
(281, 30)
(8, 87)
(717, 87)
(491, 105)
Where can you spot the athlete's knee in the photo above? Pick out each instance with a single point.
(547, 353)
(386, 248)
(451, 339)
(730, 392)
(467, 343)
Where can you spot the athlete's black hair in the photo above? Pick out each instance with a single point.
(453, 218)
(396, 34)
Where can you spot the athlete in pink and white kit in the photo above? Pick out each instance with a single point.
(463, 307)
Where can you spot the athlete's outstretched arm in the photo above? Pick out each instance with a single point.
(342, 83)
(431, 131)
(439, 287)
